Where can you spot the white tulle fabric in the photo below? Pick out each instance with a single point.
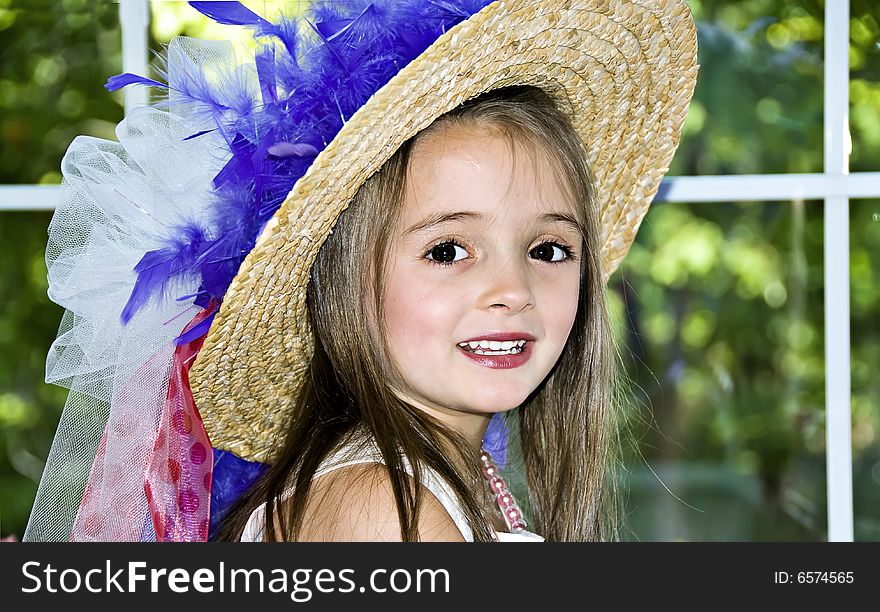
(119, 200)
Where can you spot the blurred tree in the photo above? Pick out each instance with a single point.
(758, 103)
(54, 59)
(725, 301)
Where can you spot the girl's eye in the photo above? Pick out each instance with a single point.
(449, 252)
(444, 253)
(552, 252)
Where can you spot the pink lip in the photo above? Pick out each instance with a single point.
(502, 362)
(502, 337)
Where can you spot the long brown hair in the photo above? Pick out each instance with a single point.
(565, 431)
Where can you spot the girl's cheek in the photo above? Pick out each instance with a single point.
(410, 297)
(419, 304)
(560, 300)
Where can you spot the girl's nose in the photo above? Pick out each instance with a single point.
(508, 286)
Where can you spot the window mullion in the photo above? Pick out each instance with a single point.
(837, 311)
(134, 19)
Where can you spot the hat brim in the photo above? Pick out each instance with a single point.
(623, 72)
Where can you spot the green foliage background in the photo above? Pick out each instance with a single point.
(719, 306)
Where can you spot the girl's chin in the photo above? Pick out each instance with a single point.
(491, 405)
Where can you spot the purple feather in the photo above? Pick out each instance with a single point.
(292, 149)
(495, 439)
(153, 271)
(308, 84)
(232, 13)
(121, 80)
(197, 134)
(329, 29)
(265, 61)
(196, 331)
(158, 268)
(230, 479)
(229, 104)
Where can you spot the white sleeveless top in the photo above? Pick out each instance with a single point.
(368, 453)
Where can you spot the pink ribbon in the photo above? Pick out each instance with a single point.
(169, 484)
(113, 507)
(178, 476)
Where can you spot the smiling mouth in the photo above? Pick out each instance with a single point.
(485, 347)
(512, 353)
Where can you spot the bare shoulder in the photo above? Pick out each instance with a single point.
(356, 504)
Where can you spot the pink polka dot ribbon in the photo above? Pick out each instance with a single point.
(178, 476)
(113, 507)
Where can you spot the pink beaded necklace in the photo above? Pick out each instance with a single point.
(504, 498)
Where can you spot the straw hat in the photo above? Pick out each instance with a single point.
(623, 72)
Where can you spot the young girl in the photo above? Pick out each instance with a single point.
(428, 297)
(487, 236)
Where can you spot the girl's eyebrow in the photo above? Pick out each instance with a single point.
(443, 217)
(447, 217)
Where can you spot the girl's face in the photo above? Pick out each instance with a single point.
(485, 250)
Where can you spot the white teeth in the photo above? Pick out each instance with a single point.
(493, 347)
(512, 351)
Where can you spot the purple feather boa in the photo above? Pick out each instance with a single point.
(311, 80)
(231, 478)
(495, 439)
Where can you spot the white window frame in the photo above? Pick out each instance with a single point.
(836, 186)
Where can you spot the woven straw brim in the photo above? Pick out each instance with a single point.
(624, 72)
